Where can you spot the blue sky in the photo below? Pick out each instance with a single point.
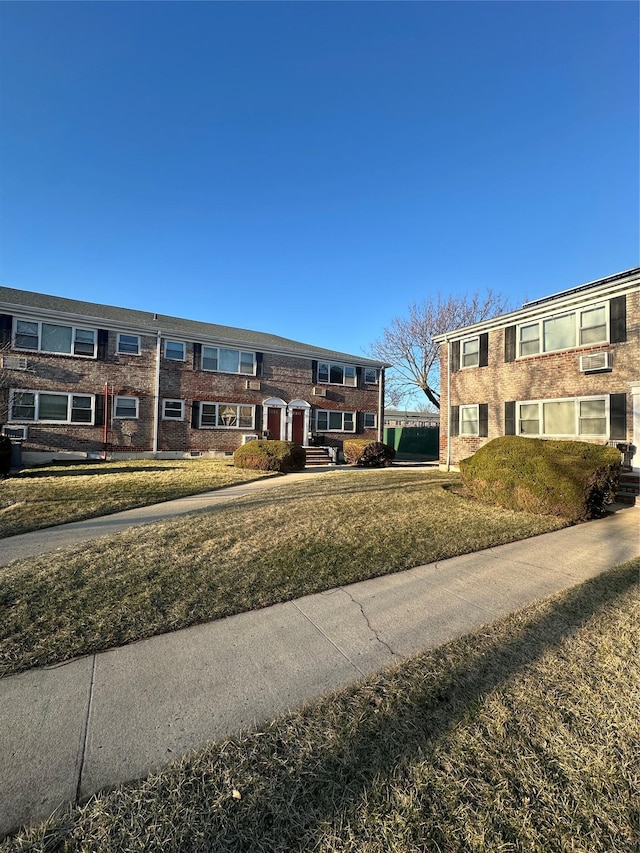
(309, 169)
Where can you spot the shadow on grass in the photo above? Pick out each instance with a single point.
(98, 470)
(311, 771)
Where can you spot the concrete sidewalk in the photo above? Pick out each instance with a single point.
(70, 730)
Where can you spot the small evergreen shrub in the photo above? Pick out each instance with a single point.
(367, 453)
(283, 456)
(570, 479)
(5, 456)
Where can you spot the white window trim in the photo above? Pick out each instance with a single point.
(371, 370)
(343, 366)
(576, 434)
(16, 392)
(577, 313)
(166, 417)
(334, 412)
(464, 341)
(180, 343)
(228, 372)
(375, 420)
(39, 323)
(475, 434)
(127, 352)
(125, 417)
(224, 426)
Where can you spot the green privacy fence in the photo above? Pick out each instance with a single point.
(415, 442)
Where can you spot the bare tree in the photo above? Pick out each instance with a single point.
(407, 342)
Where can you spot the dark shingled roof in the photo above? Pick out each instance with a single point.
(192, 329)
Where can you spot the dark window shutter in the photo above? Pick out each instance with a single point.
(455, 356)
(455, 420)
(359, 422)
(510, 417)
(510, 343)
(314, 372)
(197, 356)
(195, 414)
(618, 416)
(5, 329)
(258, 419)
(258, 364)
(103, 343)
(359, 377)
(99, 410)
(483, 420)
(618, 319)
(483, 359)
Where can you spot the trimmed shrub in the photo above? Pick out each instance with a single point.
(571, 479)
(283, 456)
(367, 453)
(5, 456)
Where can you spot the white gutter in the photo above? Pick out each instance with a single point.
(381, 405)
(156, 395)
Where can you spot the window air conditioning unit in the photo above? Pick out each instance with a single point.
(595, 361)
(14, 362)
(247, 438)
(253, 384)
(319, 392)
(20, 432)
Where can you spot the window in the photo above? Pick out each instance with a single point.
(587, 416)
(51, 407)
(469, 420)
(174, 350)
(125, 407)
(336, 374)
(128, 344)
(226, 416)
(369, 420)
(173, 410)
(471, 352)
(228, 360)
(50, 337)
(370, 376)
(335, 421)
(564, 331)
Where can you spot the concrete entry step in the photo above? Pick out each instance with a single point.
(317, 456)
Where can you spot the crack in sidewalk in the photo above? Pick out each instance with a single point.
(369, 625)
(86, 731)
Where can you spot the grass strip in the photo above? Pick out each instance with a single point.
(519, 738)
(301, 538)
(42, 497)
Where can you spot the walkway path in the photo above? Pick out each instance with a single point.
(68, 731)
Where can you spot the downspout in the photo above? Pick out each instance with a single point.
(381, 406)
(446, 340)
(105, 429)
(156, 397)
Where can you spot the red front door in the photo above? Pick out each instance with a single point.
(297, 426)
(273, 423)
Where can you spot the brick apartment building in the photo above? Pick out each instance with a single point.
(82, 379)
(566, 366)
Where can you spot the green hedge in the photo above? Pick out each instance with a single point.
(570, 479)
(367, 453)
(5, 456)
(283, 456)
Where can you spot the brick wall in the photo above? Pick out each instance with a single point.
(546, 376)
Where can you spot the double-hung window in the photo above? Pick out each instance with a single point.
(566, 418)
(336, 374)
(173, 410)
(126, 408)
(470, 352)
(369, 420)
(335, 421)
(224, 360)
(174, 350)
(564, 331)
(370, 376)
(51, 407)
(470, 420)
(128, 344)
(51, 337)
(226, 416)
